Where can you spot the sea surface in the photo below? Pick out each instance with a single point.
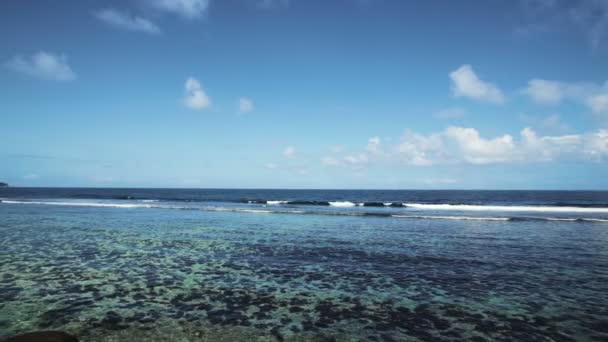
(304, 265)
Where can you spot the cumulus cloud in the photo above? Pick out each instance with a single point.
(196, 98)
(246, 105)
(189, 9)
(549, 92)
(289, 152)
(465, 82)
(126, 21)
(465, 145)
(477, 150)
(547, 148)
(44, 65)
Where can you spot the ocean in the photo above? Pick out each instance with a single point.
(304, 265)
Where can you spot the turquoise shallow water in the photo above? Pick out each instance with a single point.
(107, 273)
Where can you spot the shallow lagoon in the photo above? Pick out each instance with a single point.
(144, 274)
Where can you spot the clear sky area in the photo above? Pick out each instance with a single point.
(386, 94)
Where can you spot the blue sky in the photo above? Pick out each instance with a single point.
(305, 93)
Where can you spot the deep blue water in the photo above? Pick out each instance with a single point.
(165, 264)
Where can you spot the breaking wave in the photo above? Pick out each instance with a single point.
(271, 209)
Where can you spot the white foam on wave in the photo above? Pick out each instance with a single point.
(514, 208)
(342, 204)
(255, 211)
(83, 204)
(443, 217)
(590, 219)
(267, 211)
(276, 202)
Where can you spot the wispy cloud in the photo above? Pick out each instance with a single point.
(550, 123)
(44, 65)
(272, 4)
(246, 105)
(289, 152)
(466, 83)
(189, 9)
(125, 21)
(195, 98)
(549, 92)
(590, 17)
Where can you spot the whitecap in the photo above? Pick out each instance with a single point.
(342, 204)
(515, 208)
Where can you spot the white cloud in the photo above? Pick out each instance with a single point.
(195, 95)
(271, 166)
(465, 145)
(373, 146)
(547, 148)
(31, 176)
(246, 105)
(477, 150)
(418, 149)
(544, 91)
(126, 21)
(190, 9)
(594, 96)
(596, 146)
(466, 83)
(43, 65)
(598, 103)
(289, 152)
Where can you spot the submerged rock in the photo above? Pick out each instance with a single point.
(44, 336)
